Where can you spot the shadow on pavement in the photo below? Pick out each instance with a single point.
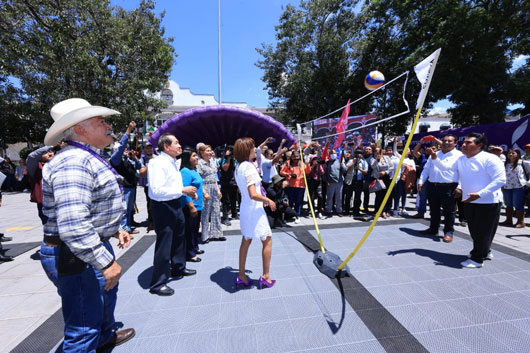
(144, 278)
(416, 233)
(439, 258)
(226, 279)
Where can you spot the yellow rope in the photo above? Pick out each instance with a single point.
(387, 195)
(309, 199)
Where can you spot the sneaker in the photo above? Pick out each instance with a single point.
(404, 214)
(321, 216)
(296, 220)
(395, 213)
(470, 264)
(489, 257)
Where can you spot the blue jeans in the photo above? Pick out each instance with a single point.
(400, 194)
(88, 309)
(423, 198)
(295, 196)
(513, 198)
(48, 260)
(130, 197)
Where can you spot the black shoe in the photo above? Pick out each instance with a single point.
(198, 252)
(184, 272)
(340, 214)
(194, 259)
(418, 216)
(164, 291)
(235, 217)
(221, 238)
(4, 238)
(429, 231)
(226, 222)
(6, 258)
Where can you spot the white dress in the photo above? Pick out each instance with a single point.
(254, 222)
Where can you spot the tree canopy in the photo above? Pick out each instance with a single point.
(325, 48)
(79, 48)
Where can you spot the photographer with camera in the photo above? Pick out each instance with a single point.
(356, 169)
(276, 193)
(127, 164)
(228, 185)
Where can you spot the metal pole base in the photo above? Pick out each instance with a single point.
(328, 264)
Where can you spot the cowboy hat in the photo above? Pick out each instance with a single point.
(69, 113)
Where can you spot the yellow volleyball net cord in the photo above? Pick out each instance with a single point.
(310, 201)
(387, 195)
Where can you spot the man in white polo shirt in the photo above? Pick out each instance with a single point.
(481, 176)
(442, 184)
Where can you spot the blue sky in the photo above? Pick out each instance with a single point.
(245, 24)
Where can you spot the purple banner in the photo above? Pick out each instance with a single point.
(507, 135)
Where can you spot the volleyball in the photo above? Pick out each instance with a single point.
(374, 80)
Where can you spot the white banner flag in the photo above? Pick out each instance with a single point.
(424, 71)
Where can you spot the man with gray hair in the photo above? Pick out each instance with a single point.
(83, 202)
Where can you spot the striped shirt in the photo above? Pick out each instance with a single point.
(83, 202)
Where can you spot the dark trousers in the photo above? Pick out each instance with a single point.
(357, 191)
(192, 232)
(42, 217)
(366, 197)
(441, 198)
(170, 246)
(281, 214)
(312, 185)
(229, 200)
(149, 215)
(380, 195)
(347, 193)
(482, 221)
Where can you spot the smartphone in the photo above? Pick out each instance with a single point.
(272, 139)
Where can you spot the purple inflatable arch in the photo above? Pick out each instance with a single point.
(219, 125)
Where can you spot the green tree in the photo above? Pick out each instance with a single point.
(479, 40)
(87, 49)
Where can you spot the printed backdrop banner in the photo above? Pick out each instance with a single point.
(507, 135)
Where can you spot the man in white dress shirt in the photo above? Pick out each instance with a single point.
(442, 185)
(165, 190)
(481, 177)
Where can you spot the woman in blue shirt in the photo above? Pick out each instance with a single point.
(191, 208)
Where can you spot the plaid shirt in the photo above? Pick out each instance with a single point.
(83, 202)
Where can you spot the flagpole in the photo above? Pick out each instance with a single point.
(219, 49)
(419, 106)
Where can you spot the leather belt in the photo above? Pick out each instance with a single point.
(444, 184)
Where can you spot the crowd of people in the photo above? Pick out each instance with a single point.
(85, 196)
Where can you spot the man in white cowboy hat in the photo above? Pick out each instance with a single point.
(83, 202)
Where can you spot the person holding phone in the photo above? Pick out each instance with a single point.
(293, 173)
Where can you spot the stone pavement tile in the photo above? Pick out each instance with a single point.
(504, 309)
(197, 342)
(267, 310)
(164, 323)
(37, 304)
(477, 340)
(275, 338)
(518, 299)
(21, 285)
(10, 329)
(348, 328)
(388, 296)
(396, 276)
(366, 347)
(240, 295)
(443, 314)
(441, 342)
(509, 335)
(294, 286)
(332, 302)
(415, 293)
(523, 325)
(242, 339)
(299, 306)
(201, 318)
(138, 321)
(313, 333)
(414, 319)
(165, 344)
(466, 289)
(441, 289)
(473, 311)
(487, 283)
(370, 278)
(515, 283)
(320, 283)
(236, 314)
(206, 296)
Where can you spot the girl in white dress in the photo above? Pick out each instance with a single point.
(254, 223)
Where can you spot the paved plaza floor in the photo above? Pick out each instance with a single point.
(407, 293)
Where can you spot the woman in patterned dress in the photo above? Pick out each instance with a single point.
(211, 212)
